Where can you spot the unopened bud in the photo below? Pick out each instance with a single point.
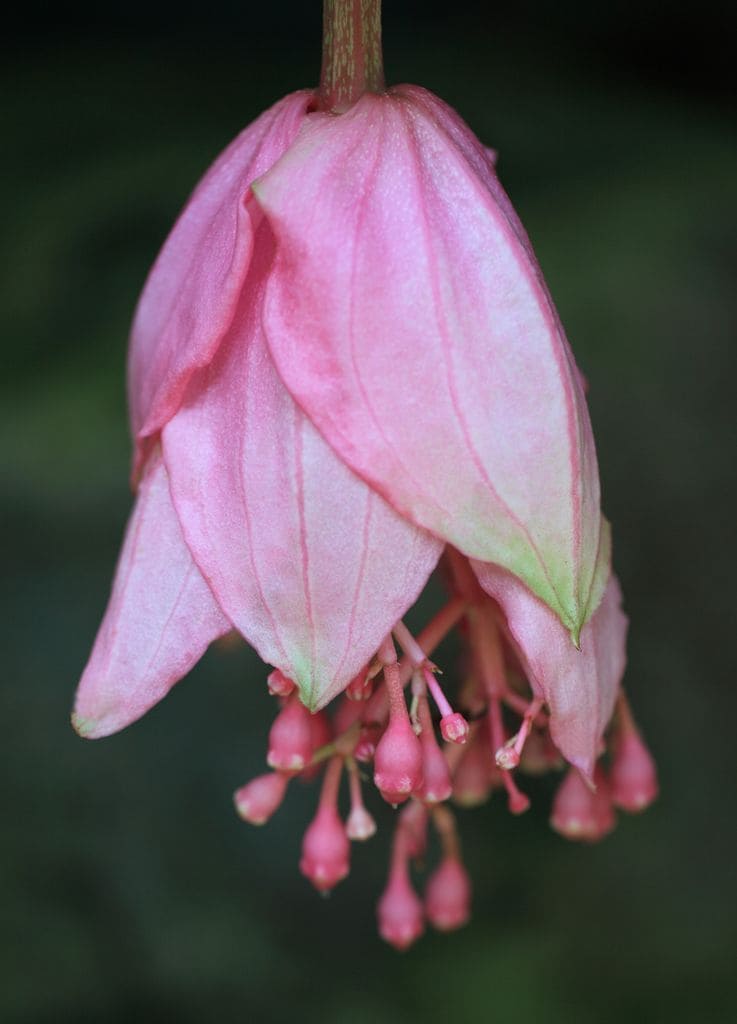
(400, 912)
(279, 685)
(360, 825)
(261, 797)
(290, 738)
(448, 895)
(581, 813)
(398, 761)
(454, 728)
(632, 776)
(325, 850)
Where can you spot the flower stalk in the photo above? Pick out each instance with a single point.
(352, 61)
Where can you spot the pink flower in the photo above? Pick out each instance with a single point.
(345, 366)
(342, 354)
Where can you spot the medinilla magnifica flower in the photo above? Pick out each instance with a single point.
(345, 368)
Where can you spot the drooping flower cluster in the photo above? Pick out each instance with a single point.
(346, 369)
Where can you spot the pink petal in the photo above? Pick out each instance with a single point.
(159, 621)
(311, 565)
(407, 316)
(192, 291)
(579, 687)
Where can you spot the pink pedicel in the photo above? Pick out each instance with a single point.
(517, 801)
(509, 755)
(453, 726)
(448, 895)
(632, 775)
(326, 847)
(291, 737)
(261, 797)
(315, 435)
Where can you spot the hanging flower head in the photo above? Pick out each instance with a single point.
(345, 368)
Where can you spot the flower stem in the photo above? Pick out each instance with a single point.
(352, 62)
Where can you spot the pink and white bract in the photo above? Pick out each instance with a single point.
(346, 368)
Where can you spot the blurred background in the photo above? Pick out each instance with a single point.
(130, 891)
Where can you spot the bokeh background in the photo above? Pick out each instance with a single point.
(130, 891)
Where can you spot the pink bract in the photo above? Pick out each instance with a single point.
(189, 301)
(407, 316)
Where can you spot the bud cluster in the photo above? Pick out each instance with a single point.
(395, 722)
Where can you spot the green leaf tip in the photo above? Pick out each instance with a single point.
(83, 726)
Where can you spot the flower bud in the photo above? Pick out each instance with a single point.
(539, 755)
(261, 797)
(448, 895)
(632, 776)
(290, 739)
(361, 686)
(582, 813)
(279, 685)
(325, 846)
(325, 850)
(474, 777)
(321, 734)
(436, 785)
(398, 761)
(360, 824)
(454, 728)
(400, 912)
(413, 826)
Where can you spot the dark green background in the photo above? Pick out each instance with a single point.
(130, 890)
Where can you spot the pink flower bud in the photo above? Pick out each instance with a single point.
(448, 895)
(325, 850)
(360, 687)
(290, 739)
(360, 824)
(633, 777)
(517, 801)
(400, 913)
(325, 846)
(261, 797)
(436, 785)
(474, 777)
(365, 748)
(398, 761)
(413, 826)
(580, 812)
(539, 755)
(321, 734)
(278, 684)
(454, 728)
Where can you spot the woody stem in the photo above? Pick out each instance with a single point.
(352, 61)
